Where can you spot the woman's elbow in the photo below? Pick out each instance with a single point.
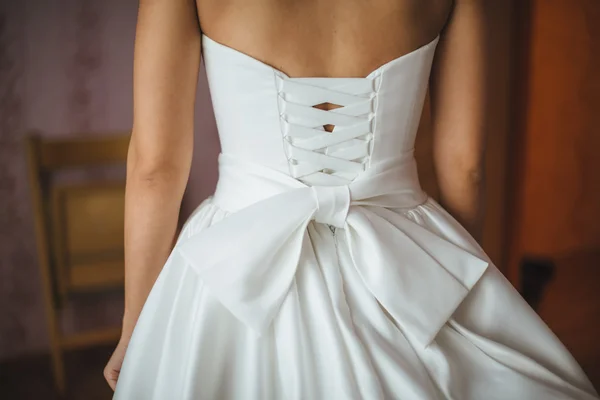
(461, 173)
(155, 172)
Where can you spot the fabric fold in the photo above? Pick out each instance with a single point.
(248, 260)
(418, 277)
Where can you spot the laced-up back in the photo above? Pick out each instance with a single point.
(316, 156)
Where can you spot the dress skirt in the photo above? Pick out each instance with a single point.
(331, 339)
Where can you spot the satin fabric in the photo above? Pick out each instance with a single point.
(398, 260)
(330, 274)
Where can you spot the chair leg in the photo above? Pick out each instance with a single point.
(55, 336)
(56, 347)
(58, 369)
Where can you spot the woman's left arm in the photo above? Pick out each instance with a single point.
(458, 93)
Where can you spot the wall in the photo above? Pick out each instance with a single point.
(556, 205)
(65, 68)
(558, 186)
(500, 34)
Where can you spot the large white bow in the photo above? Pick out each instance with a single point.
(249, 259)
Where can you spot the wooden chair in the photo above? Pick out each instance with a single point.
(79, 231)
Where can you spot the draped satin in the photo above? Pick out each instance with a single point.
(398, 260)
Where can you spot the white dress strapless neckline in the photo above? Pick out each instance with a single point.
(389, 64)
(321, 270)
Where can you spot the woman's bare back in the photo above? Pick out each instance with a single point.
(323, 37)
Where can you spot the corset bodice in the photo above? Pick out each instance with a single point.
(266, 117)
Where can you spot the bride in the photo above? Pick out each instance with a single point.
(319, 269)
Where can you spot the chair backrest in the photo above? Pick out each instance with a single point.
(79, 223)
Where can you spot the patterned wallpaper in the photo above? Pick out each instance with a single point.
(66, 68)
(85, 66)
(19, 299)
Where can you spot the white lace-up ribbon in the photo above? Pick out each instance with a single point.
(316, 156)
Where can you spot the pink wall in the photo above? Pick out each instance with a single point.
(66, 68)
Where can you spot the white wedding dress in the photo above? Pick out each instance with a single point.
(320, 270)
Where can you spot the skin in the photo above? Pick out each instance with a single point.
(166, 67)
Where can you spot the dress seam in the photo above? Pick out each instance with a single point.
(350, 314)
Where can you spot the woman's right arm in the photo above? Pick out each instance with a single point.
(166, 64)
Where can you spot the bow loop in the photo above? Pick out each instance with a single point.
(426, 278)
(248, 260)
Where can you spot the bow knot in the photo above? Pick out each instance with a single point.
(333, 203)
